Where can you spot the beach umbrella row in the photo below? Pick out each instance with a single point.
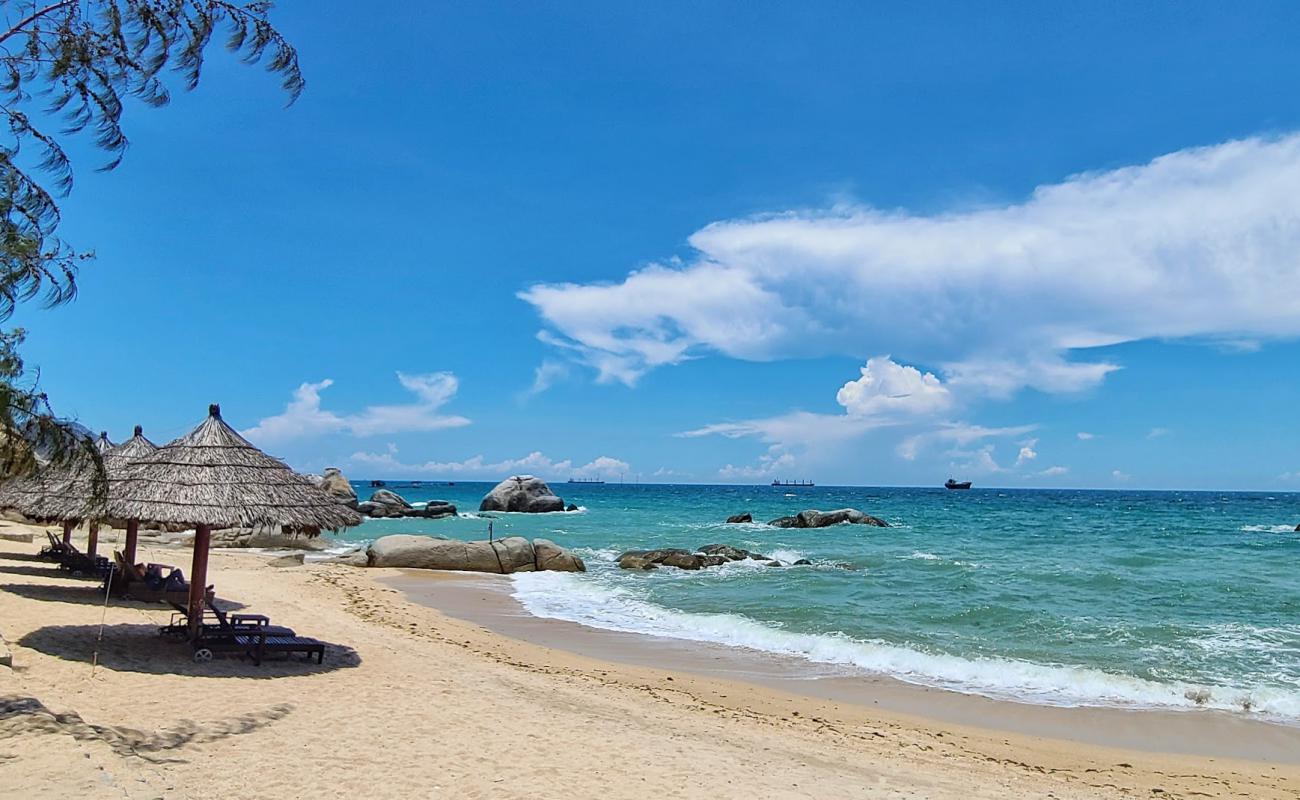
(209, 478)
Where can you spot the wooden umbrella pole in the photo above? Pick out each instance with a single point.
(92, 541)
(67, 532)
(132, 534)
(199, 576)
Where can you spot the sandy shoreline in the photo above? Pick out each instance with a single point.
(412, 702)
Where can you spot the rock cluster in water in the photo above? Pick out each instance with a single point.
(511, 554)
(385, 504)
(523, 493)
(738, 518)
(812, 518)
(710, 555)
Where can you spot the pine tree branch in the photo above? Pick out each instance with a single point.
(33, 17)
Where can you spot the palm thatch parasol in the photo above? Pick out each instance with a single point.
(76, 491)
(214, 478)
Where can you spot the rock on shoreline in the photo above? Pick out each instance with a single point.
(384, 504)
(709, 555)
(501, 556)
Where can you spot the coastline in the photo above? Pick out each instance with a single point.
(412, 701)
(487, 600)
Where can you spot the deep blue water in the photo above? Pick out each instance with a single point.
(1169, 599)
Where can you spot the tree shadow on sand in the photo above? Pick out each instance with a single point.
(24, 716)
(139, 648)
(92, 595)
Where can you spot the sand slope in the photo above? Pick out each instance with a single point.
(419, 705)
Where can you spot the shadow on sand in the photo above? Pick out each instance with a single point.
(25, 557)
(25, 716)
(90, 594)
(139, 648)
(37, 571)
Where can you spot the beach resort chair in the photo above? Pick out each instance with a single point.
(56, 549)
(81, 565)
(132, 581)
(250, 635)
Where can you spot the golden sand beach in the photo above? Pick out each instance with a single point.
(411, 702)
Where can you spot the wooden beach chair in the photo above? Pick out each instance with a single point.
(56, 549)
(81, 565)
(251, 635)
(130, 581)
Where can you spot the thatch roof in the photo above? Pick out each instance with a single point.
(68, 491)
(213, 476)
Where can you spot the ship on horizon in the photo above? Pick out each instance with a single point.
(586, 480)
(801, 484)
(952, 484)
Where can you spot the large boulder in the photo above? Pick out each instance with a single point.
(512, 554)
(667, 556)
(813, 518)
(550, 556)
(523, 493)
(333, 483)
(737, 518)
(730, 553)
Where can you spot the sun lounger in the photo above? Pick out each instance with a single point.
(82, 565)
(56, 549)
(128, 580)
(251, 635)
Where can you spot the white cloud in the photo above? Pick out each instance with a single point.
(1027, 452)
(304, 417)
(1119, 475)
(979, 461)
(1201, 243)
(889, 388)
(958, 434)
(1156, 433)
(1053, 471)
(768, 465)
(1084, 436)
(535, 463)
(546, 375)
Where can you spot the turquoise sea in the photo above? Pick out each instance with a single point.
(1178, 600)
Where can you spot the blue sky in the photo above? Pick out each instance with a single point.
(666, 241)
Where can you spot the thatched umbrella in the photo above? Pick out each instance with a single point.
(214, 478)
(69, 493)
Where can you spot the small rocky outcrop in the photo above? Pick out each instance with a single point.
(502, 556)
(710, 555)
(1297, 529)
(333, 483)
(813, 518)
(738, 518)
(384, 504)
(522, 493)
(571, 507)
(270, 537)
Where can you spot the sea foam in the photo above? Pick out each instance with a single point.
(585, 601)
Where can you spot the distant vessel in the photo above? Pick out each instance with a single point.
(585, 480)
(804, 484)
(952, 484)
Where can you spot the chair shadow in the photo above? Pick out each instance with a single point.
(139, 648)
(51, 571)
(25, 557)
(93, 595)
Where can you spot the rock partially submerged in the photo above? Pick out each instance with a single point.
(503, 556)
(738, 518)
(710, 555)
(522, 493)
(384, 504)
(813, 518)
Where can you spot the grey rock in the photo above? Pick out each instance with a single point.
(813, 518)
(335, 484)
(270, 537)
(291, 560)
(668, 557)
(726, 551)
(737, 518)
(521, 493)
(357, 558)
(634, 561)
(713, 561)
(6, 657)
(571, 507)
(772, 564)
(512, 554)
(549, 556)
(385, 504)
(803, 562)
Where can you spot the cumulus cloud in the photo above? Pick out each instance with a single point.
(887, 387)
(1202, 243)
(1120, 475)
(1084, 436)
(304, 417)
(1053, 471)
(535, 463)
(768, 465)
(546, 375)
(1156, 433)
(1027, 452)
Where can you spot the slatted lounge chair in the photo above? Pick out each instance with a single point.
(251, 635)
(56, 549)
(129, 581)
(84, 566)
